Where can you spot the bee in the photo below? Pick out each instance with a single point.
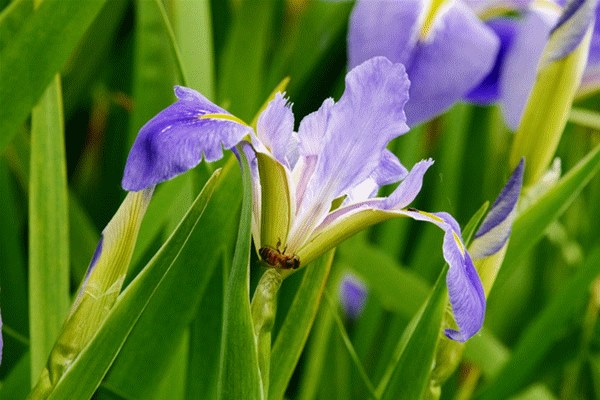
(276, 258)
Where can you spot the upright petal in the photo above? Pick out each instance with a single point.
(384, 28)
(176, 139)
(275, 129)
(457, 54)
(369, 114)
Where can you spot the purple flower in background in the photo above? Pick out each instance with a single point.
(338, 157)
(353, 295)
(447, 49)
(484, 51)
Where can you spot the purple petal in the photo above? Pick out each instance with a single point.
(404, 194)
(496, 227)
(571, 28)
(521, 64)
(594, 56)
(464, 287)
(457, 54)
(488, 91)
(389, 170)
(384, 28)
(275, 129)
(368, 115)
(176, 139)
(353, 295)
(485, 6)
(410, 187)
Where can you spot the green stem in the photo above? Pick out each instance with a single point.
(264, 308)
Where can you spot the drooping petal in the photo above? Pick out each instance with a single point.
(384, 28)
(521, 63)
(275, 129)
(256, 191)
(466, 293)
(176, 139)
(496, 227)
(353, 295)
(458, 52)
(368, 115)
(488, 90)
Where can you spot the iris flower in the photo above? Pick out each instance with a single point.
(523, 39)
(315, 187)
(446, 48)
(483, 51)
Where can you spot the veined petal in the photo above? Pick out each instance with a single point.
(464, 286)
(384, 28)
(456, 55)
(496, 227)
(521, 64)
(275, 129)
(176, 139)
(310, 132)
(488, 90)
(368, 115)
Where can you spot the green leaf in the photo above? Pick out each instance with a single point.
(246, 46)
(193, 28)
(384, 276)
(408, 379)
(48, 227)
(156, 334)
(551, 325)
(12, 19)
(530, 225)
(154, 69)
(297, 324)
(205, 341)
(85, 374)
(239, 375)
(35, 54)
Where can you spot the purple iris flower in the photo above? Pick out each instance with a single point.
(484, 51)
(353, 295)
(446, 48)
(338, 156)
(523, 39)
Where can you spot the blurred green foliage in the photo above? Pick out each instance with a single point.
(117, 64)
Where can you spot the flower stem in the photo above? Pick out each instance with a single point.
(264, 308)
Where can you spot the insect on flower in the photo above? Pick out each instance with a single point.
(278, 259)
